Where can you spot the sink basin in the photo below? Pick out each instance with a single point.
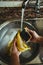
(7, 32)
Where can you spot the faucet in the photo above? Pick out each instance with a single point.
(25, 2)
(37, 5)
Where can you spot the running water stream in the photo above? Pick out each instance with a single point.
(22, 17)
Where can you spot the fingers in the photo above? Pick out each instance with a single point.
(29, 31)
(14, 48)
(14, 44)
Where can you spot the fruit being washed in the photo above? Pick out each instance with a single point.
(21, 45)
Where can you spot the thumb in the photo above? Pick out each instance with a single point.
(14, 45)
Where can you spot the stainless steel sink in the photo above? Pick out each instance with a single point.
(39, 26)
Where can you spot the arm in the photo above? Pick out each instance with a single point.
(15, 59)
(40, 39)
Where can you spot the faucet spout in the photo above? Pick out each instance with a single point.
(25, 2)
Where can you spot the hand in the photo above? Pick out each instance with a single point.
(34, 35)
(15, 55)
(14, 48)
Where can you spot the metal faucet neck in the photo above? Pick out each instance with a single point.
(25, 3)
